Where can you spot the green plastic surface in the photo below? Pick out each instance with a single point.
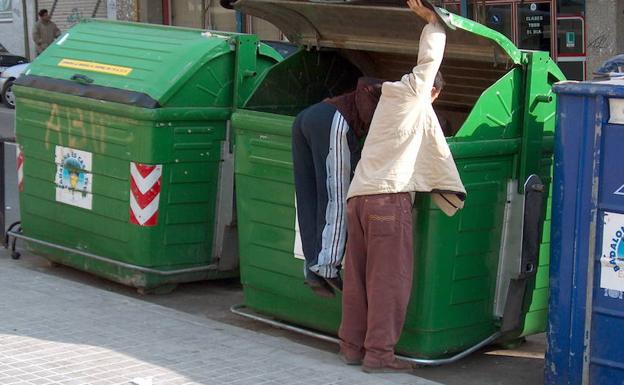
(186, 143)
(481, 30)
(177, 67)
(198, 80)
(456, 259)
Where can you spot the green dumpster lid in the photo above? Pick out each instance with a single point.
(377, 25)
(128, 58)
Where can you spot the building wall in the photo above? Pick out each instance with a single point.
(620, 26)
(66, 13)
(202, 14)
(206, 14)
(605, 31)
(151, 11)
(12, 31)
(128, 10)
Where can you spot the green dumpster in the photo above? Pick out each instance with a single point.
(467, 269)
(128, 167)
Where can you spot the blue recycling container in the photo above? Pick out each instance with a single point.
(586, 308)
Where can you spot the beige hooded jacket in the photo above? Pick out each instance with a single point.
(405, 150)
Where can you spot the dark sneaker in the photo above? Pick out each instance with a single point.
(320, 287)
(335, 283)
(395, 366)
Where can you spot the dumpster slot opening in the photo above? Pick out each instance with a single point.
(308, 77)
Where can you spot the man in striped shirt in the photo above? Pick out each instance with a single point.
(326, 147)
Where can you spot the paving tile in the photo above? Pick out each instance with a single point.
(55, 331)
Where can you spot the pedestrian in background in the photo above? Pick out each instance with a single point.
(45, 31)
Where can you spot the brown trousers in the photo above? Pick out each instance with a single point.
(378, 276)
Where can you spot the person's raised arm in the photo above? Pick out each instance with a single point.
(430, 50)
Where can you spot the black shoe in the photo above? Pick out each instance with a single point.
(320, 287)
(335, 283)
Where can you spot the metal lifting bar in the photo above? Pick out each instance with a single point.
(112, 261)
(238, 310)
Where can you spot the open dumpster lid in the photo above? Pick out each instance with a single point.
(143, 63)
(376, 25)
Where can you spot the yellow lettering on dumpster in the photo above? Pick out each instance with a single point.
(95, 67)
(76, 124)
(53, 124)
(97, 132)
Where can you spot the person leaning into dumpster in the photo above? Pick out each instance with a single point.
(326, 147)
(405, 152)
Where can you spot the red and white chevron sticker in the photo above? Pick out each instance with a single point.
(20, 168)
(144, 193)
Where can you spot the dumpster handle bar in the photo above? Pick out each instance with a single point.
(112, 261)
(238, 310)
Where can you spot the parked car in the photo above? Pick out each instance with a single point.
(9, 60)
(7, 77)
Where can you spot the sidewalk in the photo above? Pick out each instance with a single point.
(55, 331)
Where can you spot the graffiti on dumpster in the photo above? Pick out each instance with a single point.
(53, 126)
(73, 177)
(612, 256)
(75, 128)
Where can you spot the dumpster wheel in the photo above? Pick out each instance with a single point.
(244, 311)
(7, 241)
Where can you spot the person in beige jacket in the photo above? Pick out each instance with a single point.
(405, 152)
(45, 31)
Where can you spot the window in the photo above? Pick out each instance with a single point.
(6, 10)
(573, 70)
(534, 26)
(570, 34)
(572, 7)
(497, 17)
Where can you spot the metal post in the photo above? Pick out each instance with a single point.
(2, 188)
(464, 8)
(26, 34)
(3, 184)
(240, 25)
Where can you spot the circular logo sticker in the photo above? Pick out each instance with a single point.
(616, 250)
(71, 174)
(533, 7)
